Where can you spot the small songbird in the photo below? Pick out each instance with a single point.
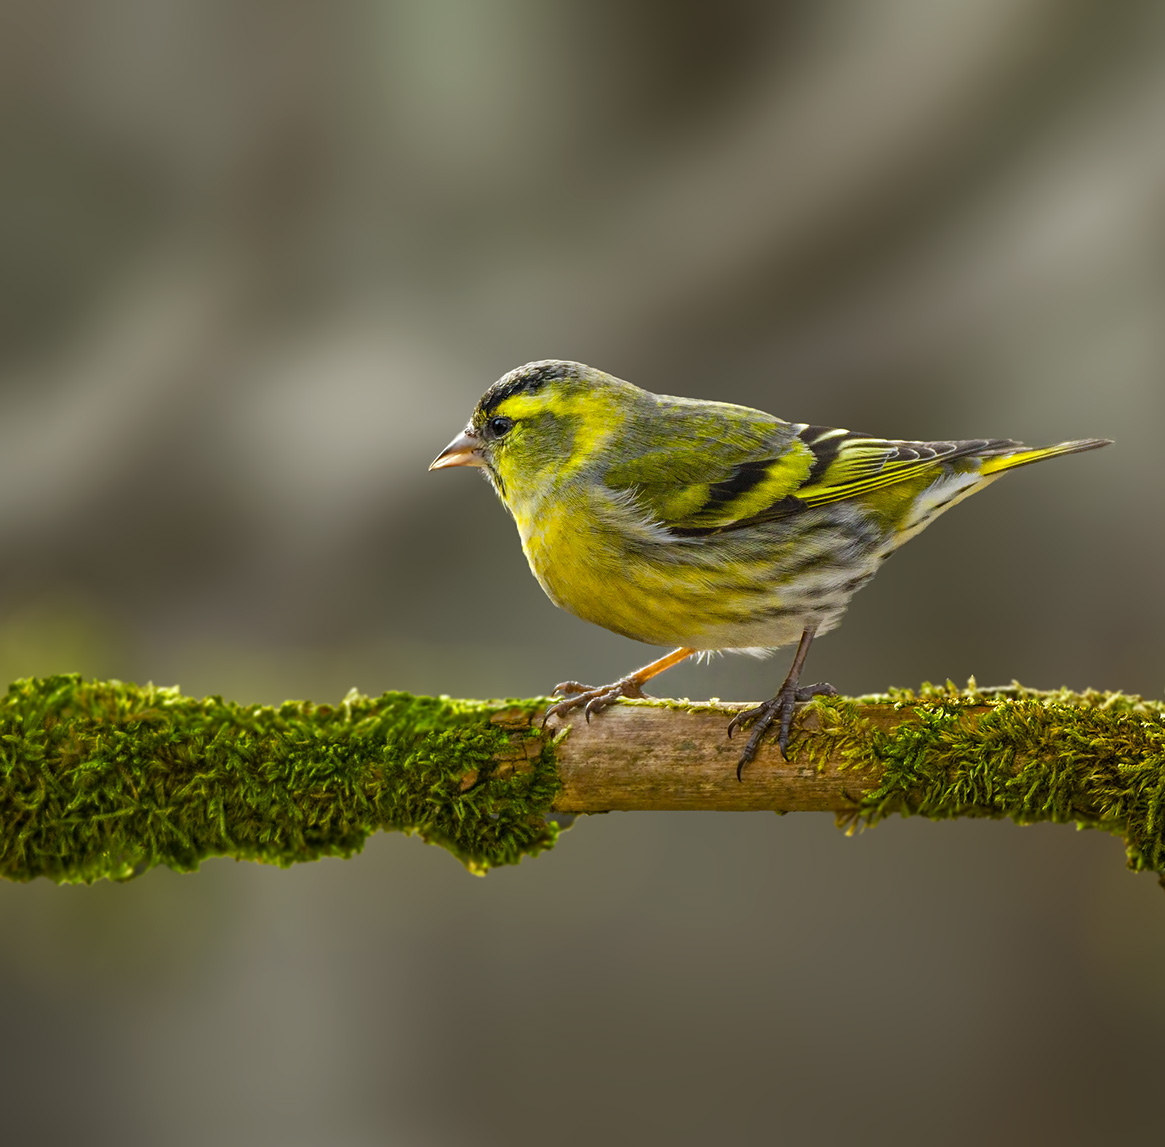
(705, 525)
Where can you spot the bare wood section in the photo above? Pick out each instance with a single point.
(638, 756)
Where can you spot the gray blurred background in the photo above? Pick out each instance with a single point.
(259, 261)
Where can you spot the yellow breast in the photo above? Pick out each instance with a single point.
(585, 567)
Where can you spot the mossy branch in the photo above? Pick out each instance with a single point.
(106, 779)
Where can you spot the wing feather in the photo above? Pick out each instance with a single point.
(720, 467)
(855, 464)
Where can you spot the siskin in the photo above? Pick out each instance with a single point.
(705, 525)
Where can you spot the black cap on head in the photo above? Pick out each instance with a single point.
(526, 379)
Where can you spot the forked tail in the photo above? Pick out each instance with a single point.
(1001, 462)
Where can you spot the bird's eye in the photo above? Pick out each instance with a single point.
(499, 426)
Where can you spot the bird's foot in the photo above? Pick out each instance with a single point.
(591, 700)
(781, 708)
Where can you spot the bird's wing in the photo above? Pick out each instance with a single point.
(699, 467)
(761, 471)
(848, 465)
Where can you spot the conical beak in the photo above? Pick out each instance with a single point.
(464, 450)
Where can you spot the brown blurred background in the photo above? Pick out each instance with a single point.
(259, 261)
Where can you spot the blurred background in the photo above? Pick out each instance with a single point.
(259, 260)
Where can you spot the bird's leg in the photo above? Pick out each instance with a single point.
(592, 700)
(781, 708)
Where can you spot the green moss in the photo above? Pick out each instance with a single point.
(106, 779)
(1096, 759)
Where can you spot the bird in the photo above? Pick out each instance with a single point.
(705, 525)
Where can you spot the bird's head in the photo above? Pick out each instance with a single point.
(540, 424)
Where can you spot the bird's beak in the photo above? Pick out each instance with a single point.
(464, 450)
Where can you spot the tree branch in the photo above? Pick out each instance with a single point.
(1093, 759)
(105, 779)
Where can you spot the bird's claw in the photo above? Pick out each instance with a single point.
(565, 688)
(781, 708)
(591, 700)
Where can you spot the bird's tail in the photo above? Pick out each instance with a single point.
(998, 463)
